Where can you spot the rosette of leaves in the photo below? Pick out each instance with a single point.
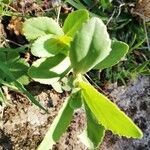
(82, 44)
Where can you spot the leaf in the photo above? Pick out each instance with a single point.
(19, 70)
(88, 2)
(2, 97)
(108, 114)
(5, 1)
(89, 47)
(141, 67)
(19, 49)
(76, 100)
(105, 3)
(50, 45)
(36, 27)
(93, 135)
(49, 70)
(10, 85)
(17, 66)
(119, 49)
(76, 3)
(9, 57)
(58, 127)
(19, 86)
(74, 21)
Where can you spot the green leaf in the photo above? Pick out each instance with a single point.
(8, 84)
(49, 70)
(108, 114)
(89, 47)
(141, 67)
(76, 100)
(74, 21)
(50, 45)
(93, 135)
(20, 87)
(88, 2)
(19, 70)
(76, 3)
(8, 57)
(58, 127)
(5, 1)
(105, 3)
(119, 49)
(2, 97)
(19, 49)
(36, 27)
(17, 66)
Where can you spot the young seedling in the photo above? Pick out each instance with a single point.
(81, 45)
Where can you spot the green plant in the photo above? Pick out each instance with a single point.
(119, 19)
(81, 45)
(13, 73)
(6, 9)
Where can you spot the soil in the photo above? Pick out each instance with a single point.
(24, 125)
(134, 100)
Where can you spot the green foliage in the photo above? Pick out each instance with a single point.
(50, 70)
(108, 114)
(123, 25)
(2, 97)
(5, 70)
(17, 66)
(50, 45)
(82, 44)
(76, 3)
(89, 47)
(36, 27)
(86, 43)
(86, 49)
(76, 100)
(119, 49)
(13, 73)
(93, 135)
(58, 127)
(5, 1)
(142, 69)
(74, 22)
(105, 3)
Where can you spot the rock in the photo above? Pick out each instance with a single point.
(135, 101)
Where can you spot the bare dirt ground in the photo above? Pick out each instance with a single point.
(23, 125)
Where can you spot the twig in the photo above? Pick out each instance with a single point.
(96, 85)
(13, 42)
(58, 14)
(146, 33)
(111, 17)
(120, 9)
